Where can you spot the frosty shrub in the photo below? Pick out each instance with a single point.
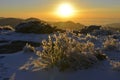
(91, 38)
(65, 53)
(6, 28)
(111, 44)
(115, 65)
(28, 48)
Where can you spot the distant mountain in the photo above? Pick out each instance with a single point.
(10, 21)
(68, 25)
(32, 19)
(15, 21)
(115, 26)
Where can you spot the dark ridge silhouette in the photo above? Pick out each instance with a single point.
(68, 25)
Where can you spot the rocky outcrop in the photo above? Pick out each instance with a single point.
(38, 27)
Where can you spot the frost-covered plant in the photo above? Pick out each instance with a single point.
(115, 65)
(91, 38)
(6, 28)
(111, 44)
(65, 52)
(29, 48)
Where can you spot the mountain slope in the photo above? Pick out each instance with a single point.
(68, 25)
(10, 21)
(115, 26)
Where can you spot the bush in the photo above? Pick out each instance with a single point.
(6, 28)
(111, 44)
(65, 53)
(29, 48)
(115, 65)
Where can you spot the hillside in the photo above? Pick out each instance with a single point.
(68, 25)
(10, 21)
(115, 26)
(31, 19)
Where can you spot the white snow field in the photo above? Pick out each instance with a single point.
(20, 65)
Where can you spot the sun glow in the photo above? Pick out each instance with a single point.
(65, 10)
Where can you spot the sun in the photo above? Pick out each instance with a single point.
(65, 10)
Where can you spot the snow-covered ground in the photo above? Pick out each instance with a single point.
(12, 36)
(10, 67)
(19, 66)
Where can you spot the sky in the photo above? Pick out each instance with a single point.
(44, 9)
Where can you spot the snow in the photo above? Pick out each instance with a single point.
(18, 66)
(12, 64)
(12, 36)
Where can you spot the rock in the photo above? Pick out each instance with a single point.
(16, 46)
(38, 27)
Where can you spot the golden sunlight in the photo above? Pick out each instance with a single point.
(65, 10)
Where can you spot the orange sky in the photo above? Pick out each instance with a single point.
(44, 9)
